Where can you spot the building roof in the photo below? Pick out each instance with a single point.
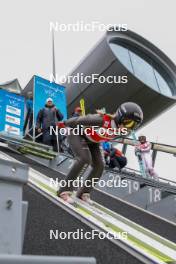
(12, 86)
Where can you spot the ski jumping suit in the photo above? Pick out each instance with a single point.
(147, 158)
(87, 149)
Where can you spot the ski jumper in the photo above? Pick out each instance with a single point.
(86, 148)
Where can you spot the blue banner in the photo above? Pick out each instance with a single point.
(2, 109)
(12, 113)
(44, 89)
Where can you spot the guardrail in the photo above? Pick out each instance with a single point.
(155, 146)
(165, 185)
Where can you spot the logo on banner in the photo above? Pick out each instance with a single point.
(12, 130)
(13, 110)
(13, 120)
(13, 102)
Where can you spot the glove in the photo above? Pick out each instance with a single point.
(61, 124)
(39, 130)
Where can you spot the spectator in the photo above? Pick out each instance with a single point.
(49, 116)
(28, 123)
(114, 157)
(77, 112)
(144, 148)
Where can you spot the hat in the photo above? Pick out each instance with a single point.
(141, 135)
(49, 100)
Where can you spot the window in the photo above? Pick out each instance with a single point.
(143, 71)
(123, 55)
(143, 68)
(164, 88)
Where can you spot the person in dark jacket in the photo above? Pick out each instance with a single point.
(29, 116)
(114, 158)
(49, 116)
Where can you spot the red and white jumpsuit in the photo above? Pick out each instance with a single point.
(147, 158)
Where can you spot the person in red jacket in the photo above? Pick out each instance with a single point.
(86, 146)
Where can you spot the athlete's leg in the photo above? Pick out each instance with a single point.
(96, 170)
(149, 166)
(82, 157)
(144, 162)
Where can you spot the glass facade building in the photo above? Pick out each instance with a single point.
(144, 68)
(151, 76)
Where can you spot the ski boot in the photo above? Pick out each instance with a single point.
(85, 197)
(66, 196)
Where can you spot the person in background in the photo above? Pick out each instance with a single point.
(144, 148)
(29, 116)
(114, 158)
(77, 112)
(49, 116)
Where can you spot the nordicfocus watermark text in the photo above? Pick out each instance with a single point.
(82, 26)
(87, 131)
(92, 78)
(113, 181)
(79, 234)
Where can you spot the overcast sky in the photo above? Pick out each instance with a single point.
(25, 43)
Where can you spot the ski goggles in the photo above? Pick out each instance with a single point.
(130, 124)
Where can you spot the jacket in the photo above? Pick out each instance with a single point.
(48, 116)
